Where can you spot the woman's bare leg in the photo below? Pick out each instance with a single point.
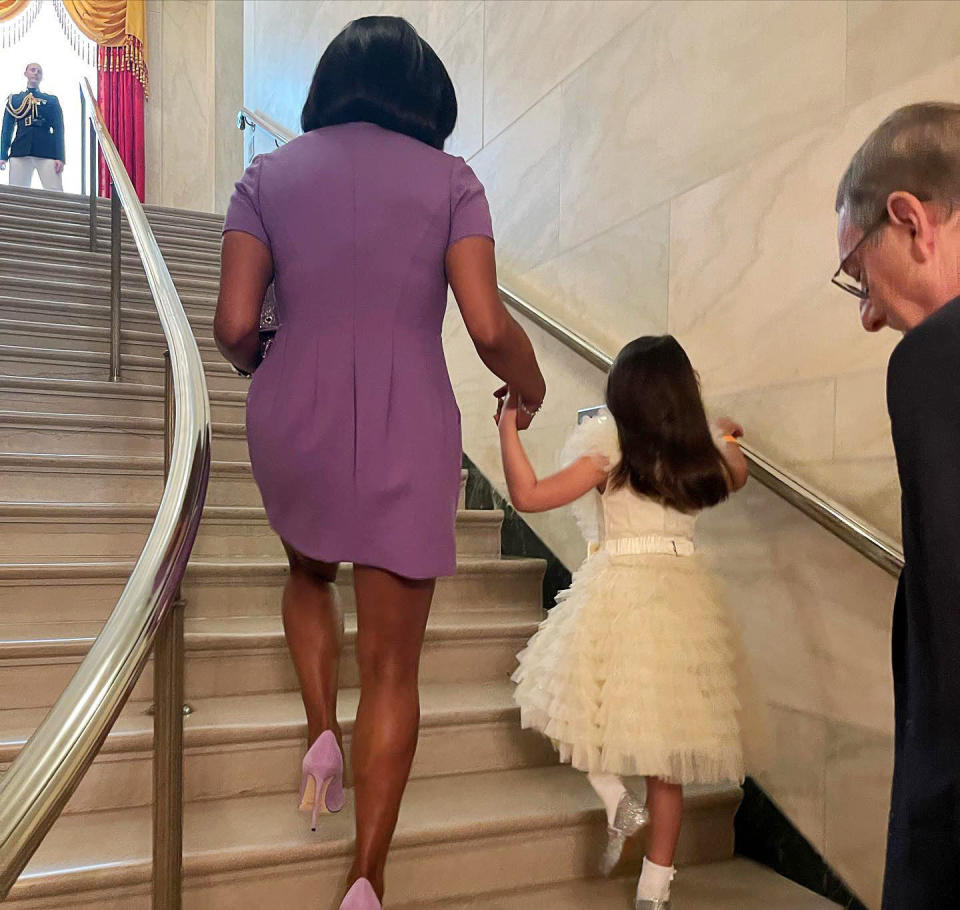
(392, 618)
(313, 624)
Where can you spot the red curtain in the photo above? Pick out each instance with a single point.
(120, 95)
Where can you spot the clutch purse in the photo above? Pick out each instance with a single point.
(269, 323)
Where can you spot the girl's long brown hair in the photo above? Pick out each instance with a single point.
(668, 451)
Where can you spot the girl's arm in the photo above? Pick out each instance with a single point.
(732, 454)
(527, 493)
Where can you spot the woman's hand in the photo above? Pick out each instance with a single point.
(507, 403)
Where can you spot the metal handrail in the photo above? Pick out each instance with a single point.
(48, 769)
(253, 119)
(868, 541)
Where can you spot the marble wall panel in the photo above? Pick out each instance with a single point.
(797, 773)
(787, 422)
(187, 150)
(611, 288)
(891, 41)
(531, 45)
(521, 172)
(859, 771)
(863, 425)
(688, 91)
(463, 57)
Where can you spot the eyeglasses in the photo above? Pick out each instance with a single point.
(851, 287)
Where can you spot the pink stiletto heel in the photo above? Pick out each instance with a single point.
(361, 897)
(321, 783)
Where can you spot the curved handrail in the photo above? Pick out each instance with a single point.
(41, 779)
(868, 541)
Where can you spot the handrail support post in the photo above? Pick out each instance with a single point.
(93, 188)
(115, 276)
(168, 689)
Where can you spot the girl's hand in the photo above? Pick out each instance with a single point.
(729, 427)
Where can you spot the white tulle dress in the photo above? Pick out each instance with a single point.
(634, 671)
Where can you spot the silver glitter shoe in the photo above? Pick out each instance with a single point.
(631, 816)
(651, 905)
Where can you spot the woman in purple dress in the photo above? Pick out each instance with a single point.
(354, 432)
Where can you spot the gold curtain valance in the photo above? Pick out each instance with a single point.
(11, 8)
(110, 23)
(117, 28)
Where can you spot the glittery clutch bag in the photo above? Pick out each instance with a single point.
(269, 323)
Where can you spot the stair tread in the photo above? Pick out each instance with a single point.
(100, 421)
(102, 388)
(239, 833)
(74, 638)
(736, 884)
(52, 510)
(150, 464)
(275, 715)
(94, 566)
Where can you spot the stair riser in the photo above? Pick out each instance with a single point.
(217, 771)
(19, 485)
(418, 874)
(28, 219)
(133, 294)
(52, 251)
(43, 368)
(119, 405)
(95, 278)
(125, 538)
(59, 441)
(130, 344)
(94, 312)
(517, 594)
(37, 683)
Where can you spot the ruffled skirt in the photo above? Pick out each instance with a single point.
(634, 673)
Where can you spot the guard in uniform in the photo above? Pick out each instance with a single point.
(32, 137)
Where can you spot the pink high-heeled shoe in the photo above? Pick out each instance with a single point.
(361, 897)
(321, 785)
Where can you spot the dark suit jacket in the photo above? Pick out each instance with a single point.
(43, 138)
(923, 397)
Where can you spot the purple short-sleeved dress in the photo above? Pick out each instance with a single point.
(353, 428)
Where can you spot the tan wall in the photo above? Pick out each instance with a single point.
(193, 152)
(658, 166)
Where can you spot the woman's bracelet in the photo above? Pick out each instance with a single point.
(530, 413)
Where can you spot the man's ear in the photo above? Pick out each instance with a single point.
(905, 210)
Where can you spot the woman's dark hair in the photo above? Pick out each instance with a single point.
(668, 451)
(378, 69)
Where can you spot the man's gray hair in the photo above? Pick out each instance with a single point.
(915, 150)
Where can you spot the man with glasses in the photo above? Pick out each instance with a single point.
(899, 237)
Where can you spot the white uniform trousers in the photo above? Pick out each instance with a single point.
(22, 168)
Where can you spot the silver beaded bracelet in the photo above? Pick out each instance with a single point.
(522, 407)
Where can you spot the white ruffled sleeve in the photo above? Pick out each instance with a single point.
(595, 438)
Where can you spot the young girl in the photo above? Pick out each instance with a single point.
(632, 673)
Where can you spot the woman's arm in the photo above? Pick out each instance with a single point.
(499, 339)
(527, 493)
(246, 270)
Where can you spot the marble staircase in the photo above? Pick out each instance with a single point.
(489, 821)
